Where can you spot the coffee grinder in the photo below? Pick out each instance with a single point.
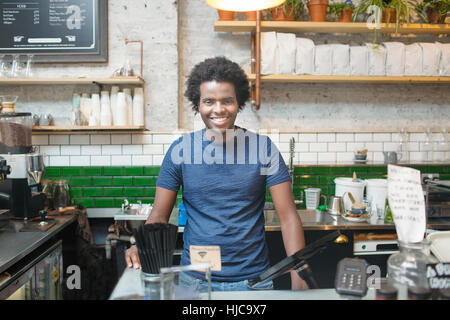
(23, 183)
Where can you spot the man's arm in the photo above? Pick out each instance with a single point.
(291, 226)
(162, 208)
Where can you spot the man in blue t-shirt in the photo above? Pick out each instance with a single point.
(223, 171)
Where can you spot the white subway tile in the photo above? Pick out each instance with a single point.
(326, 156)
(307, 137)
(318, 147)
(79, 139)
(70, 150)
(111, 149)
(123, 160)
(157, 160)
(121, 139)
(345, 137)
(39, 140)
(337, 147)
(344, 156)
(100, 139)
(141, 139)
(308, 157)
(390, 146)
(46, 161)
(417, 156)
(363, 137)
(377, 156)
(50, 150)
(59, 139)
(80, 161)
(382, 137)
(286, 137)
(417, 136)
(374, 146)
(91, 150)
(326, 137)
(165, 138)
(302, 146)
(59, 160)
(413, 146)
(132, 149)
(355, 146)
(141, 160)
(275, 137)
(100, 160)
(153, 149)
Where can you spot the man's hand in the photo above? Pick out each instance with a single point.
(298, 283)
(132, 258)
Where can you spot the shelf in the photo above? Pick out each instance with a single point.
(328, 27)
(85, 129)
(60, 81)
(280, 78)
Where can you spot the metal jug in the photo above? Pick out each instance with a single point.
(391, 157)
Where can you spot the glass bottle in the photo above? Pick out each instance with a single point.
(60, 194)
(76, 113)
(388, 218)
(29, 66)
(408, 267)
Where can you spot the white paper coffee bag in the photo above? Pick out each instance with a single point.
(413, 60)
(444, 61)
(286, 48)
(395, 58)
(359, 61)
(430, 61)
(268, 52)
(341, 59)
(323, 60)
(377, 59)
(304, 58)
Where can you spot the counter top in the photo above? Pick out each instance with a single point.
(129, 287)
(15, 245)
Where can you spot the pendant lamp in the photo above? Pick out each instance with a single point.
(243, 5)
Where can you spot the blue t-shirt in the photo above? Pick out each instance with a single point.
(224, 188)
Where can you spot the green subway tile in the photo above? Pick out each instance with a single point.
(71, 171)
(301, 170)
(113, 192)
(339, 170)
(104, 203)
(112, 171)
(122, 181)
(307, 179)
(437, 169)
(145, 200)
(444, 177)
(326, 180)
(133, 171)
(93, 192)
(332, 189)
(81, 181)
(134, 192)
(144, 181)
(324, 190)
(378, 170)
(52, 171)
(88, 203)
(118, 202)
(150, 192)
(102, 181)
(359, 170)
(92, 171)
(320, 170)
(152, 171)
(76, 192)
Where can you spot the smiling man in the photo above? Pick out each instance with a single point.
(224, 171)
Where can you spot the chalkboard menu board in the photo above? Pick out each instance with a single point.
(55, 30)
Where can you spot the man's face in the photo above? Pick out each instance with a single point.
(218, 105)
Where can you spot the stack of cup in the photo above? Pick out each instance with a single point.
(105, 110)
(94, 118)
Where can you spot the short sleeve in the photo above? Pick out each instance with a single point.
(170, 175)
(274, 166)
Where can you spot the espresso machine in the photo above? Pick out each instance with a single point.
(23, 183)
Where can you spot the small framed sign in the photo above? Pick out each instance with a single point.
(55, 31)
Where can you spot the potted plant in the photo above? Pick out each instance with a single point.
(394, 11)
(342, 10)
(225, 15)
(317, 9)
(290, 10)
(433, 11)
